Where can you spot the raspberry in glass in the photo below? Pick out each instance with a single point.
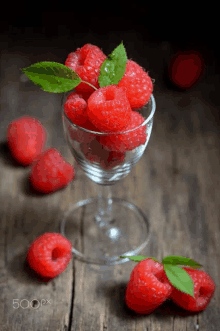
(138, 85)
(127, 141)
(86, 62)
(109, 109)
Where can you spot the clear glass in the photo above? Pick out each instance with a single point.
(104, 227)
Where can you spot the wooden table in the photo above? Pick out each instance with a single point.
(176, 184)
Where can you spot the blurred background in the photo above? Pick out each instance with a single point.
(152, 33)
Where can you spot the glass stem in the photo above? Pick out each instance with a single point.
(104, 212)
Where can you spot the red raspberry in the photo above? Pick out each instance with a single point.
(86, 62)
(51, 172)
(109, 109)
(95, 152)
(49, 254)
(84, 95)
(185, 68)
(204, 288)
(26, 137)
(127, 141)
(138, 85)
(75, 109)
(148, 287)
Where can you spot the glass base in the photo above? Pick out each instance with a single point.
(97, 243)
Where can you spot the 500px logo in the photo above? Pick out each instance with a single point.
(34, 304)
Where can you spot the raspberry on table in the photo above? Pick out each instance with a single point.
(26, 138)
(86, 62)
(109, 109)
(148, 287)
(204, 288)
(138, 85)
(185, 68)
(127, 141)
(51, 172)
(49, 254)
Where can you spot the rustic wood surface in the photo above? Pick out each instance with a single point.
(176, 184)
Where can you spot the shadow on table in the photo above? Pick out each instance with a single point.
(20, 269)
(116, 296)
(6, 156)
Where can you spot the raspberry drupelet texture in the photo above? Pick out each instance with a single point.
(26, 138)
(204, 288)
(127, 141)
(49, 254)
(75, 109)
(51, 172)
(86, 62)
(109, 109)
(148, 287)
(138, 85)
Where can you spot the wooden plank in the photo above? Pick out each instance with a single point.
(176, 184)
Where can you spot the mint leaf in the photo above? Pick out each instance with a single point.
(113, 68)
(175, 259)
(179, 278)
(52, 76)
(138, 258)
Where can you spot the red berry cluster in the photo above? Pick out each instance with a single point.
(26, 138)
(109, 109)
(149, 287)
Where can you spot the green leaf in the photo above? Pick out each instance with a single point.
(52, 76)
(138, 258)
(113, 68)
(175, 259)
(179, 278)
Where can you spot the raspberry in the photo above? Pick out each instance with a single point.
(51, 172)
(148, 287)
(86, 62)
(127, 141)
(185, 68)
(204, 288)
(26, 137)
(109, 109)
(138, 85)
(83, 95)
(75, 109)
(95, 152)
(49, 254)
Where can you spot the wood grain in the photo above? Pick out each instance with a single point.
(176, 184)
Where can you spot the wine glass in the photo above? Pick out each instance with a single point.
(109, 227)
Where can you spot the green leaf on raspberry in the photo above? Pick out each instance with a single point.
(181, 260)
(179, 278)
(138, 258)
(52, 77)
(113, 68)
